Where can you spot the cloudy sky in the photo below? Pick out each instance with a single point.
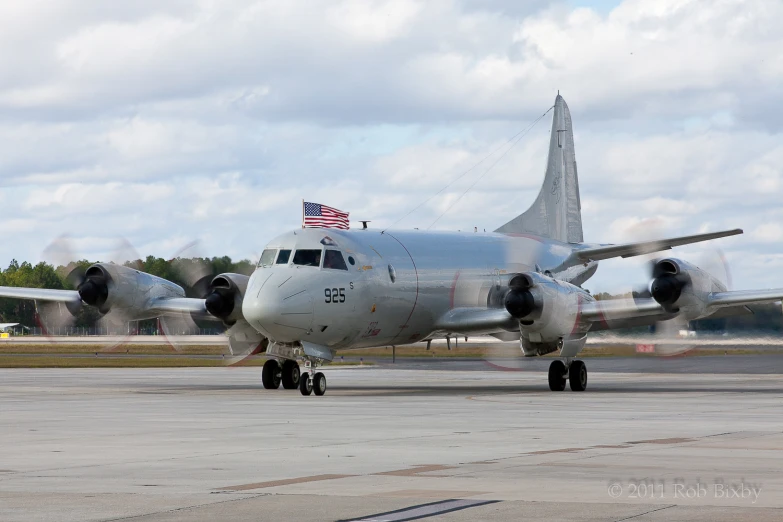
(165, 122)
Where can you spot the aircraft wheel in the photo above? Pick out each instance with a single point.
(577, 376)
(557, 371)
(270, 375)
(305, 384)
(290, 375)
(319, 383)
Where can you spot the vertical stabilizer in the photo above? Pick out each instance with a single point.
(556, 213)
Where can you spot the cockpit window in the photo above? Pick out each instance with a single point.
(307, 257)
(334, 259)
(267, 257)
(283, 258)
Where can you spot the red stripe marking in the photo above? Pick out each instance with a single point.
(578, 314)
(602, 317)
(453, 290)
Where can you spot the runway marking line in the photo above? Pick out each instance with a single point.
(563, 450)
(672, 440)
(428, 493)
(407, 472)
(415, 470)
(284, 482)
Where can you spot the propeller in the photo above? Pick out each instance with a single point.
(674, 336)
(92, 283)
(220, 296)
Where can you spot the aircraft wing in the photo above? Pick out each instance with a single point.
(623, 313)
(612, 314)
(476, 320)
(744, 297)
(182, 305)
(599, 253)
(40, 294)
(177, 305)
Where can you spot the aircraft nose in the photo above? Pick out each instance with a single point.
(279, 308)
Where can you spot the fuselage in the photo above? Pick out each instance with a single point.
(362, 288)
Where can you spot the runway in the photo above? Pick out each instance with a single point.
(389, 444)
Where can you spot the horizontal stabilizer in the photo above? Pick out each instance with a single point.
(599, 253)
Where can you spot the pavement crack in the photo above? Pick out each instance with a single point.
(645, 513)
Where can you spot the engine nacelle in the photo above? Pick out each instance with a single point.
(111, 287)
(680, 287)
(225, 296)
(548, 311)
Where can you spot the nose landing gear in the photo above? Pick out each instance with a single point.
(575, 372)
(317, 384)
(312, 381)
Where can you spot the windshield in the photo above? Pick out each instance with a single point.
(307, 258)
(334, 259)
(267, 257)
(283, 258)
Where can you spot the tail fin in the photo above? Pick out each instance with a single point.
(556, 213)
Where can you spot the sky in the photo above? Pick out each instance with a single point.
(170, 122)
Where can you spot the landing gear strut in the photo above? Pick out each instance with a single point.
(575, 372)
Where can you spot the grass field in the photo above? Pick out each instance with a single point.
(48, 355)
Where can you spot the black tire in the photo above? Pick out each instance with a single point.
(305, 384)
(290, 374)
(270, 375)
(557, 371)
(577, 376)
(319, 383)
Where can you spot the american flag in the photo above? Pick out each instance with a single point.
(321, 216)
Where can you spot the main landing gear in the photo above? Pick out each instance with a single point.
(273, 374)
(289, 374)
(575, 372)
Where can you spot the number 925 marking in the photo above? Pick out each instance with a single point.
(334, 295)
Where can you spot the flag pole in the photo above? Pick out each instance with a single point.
(303, 213)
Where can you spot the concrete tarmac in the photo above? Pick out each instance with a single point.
(388, 444)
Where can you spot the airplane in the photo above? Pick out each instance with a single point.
(319, 290)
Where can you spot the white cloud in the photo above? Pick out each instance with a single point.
(212, 120)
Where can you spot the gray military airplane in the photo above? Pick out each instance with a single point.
(316, 291)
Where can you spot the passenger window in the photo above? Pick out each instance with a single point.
(283, 257)
(307, 258)
(334, 259)
(267, 257)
